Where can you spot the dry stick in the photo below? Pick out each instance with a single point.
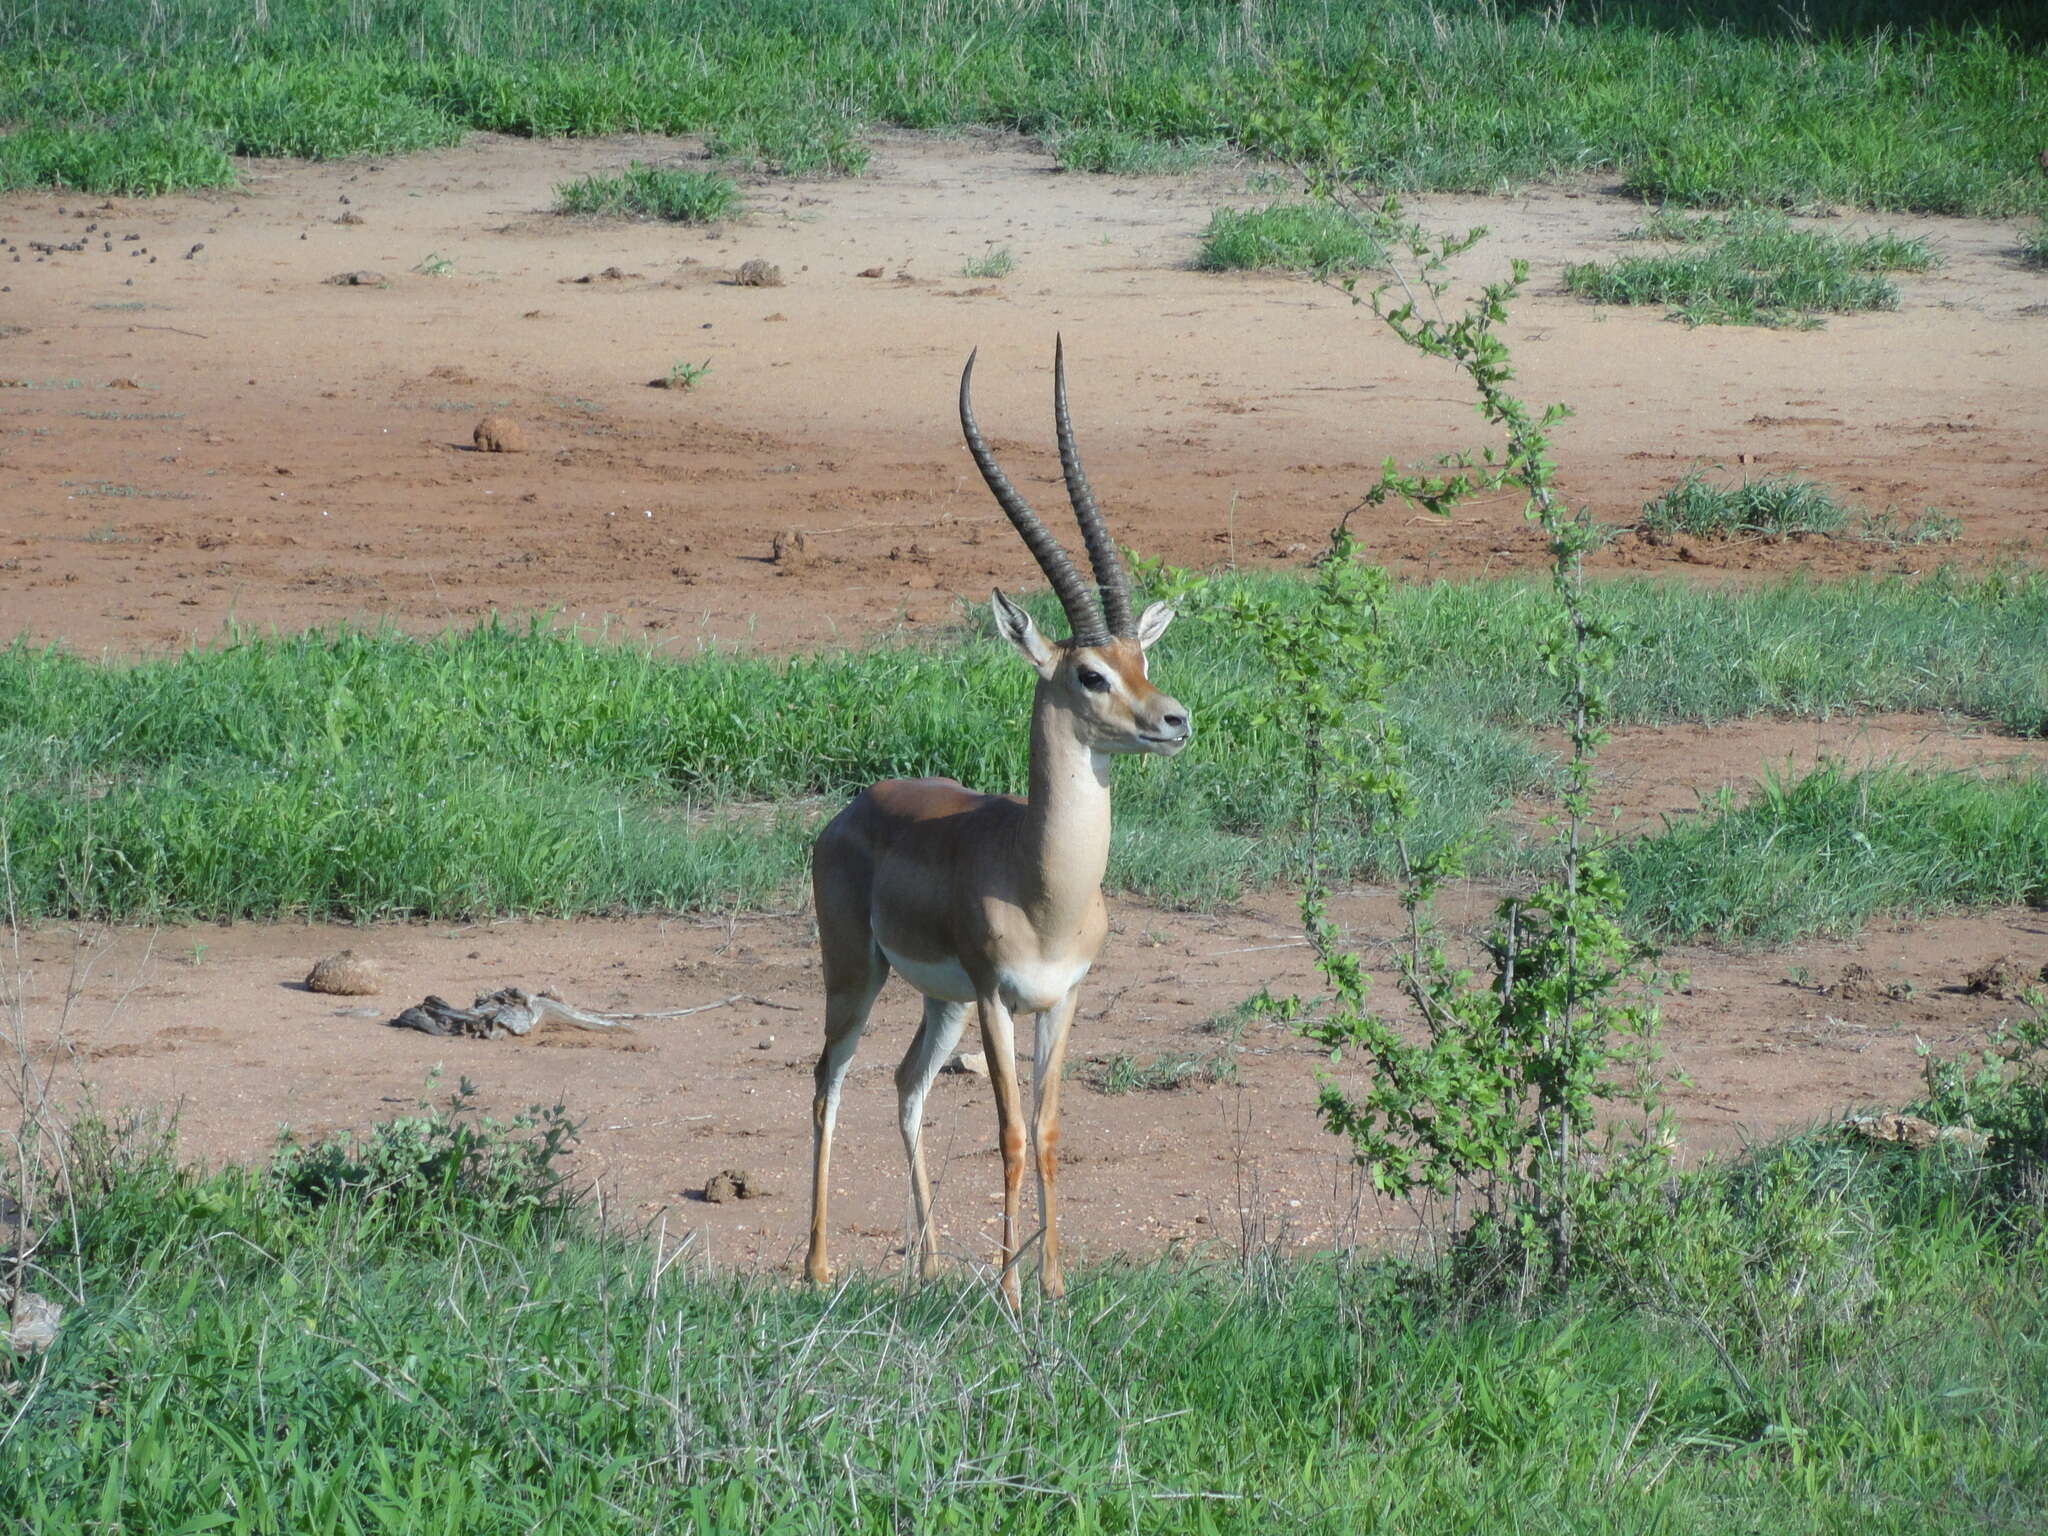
(723, 1002)
(677, 1013)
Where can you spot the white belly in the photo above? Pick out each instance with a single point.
(1026, 988)
(945, 980)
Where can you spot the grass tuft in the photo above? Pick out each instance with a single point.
(1168, 1072)
(1781, 507)
(1000, 261)
(650, 192)
(1291, 237)
(1113, 151)
(1752, 267)
(2034, 245)
(813, 137)
(1774, 508)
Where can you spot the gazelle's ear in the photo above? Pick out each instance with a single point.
(1152, 624)
(1015, 626)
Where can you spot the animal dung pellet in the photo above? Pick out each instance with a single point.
(345, 974)
(732, 1184)
(499, 434)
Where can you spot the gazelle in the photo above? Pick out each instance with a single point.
(991, 900)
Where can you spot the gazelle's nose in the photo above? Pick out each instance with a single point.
(1174, 724)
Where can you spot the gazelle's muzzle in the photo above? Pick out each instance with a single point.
(1168, 729)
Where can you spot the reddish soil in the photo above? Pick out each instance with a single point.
(215, 1020)
(221, 433)
(295, 451)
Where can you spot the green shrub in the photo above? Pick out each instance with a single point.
(448, 1163)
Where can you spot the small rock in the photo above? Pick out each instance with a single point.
(348, 217)
(973, 1063)
(732, 1184)
(122, 384)
(356, 280)
(790, 548)
(33, 1323)
(757, 274)
(346, 974)
(869, 272)
(499, 434)
(771, 319)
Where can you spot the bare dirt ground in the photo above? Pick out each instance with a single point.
(200, 427)
(215, 1020)
(295, 452)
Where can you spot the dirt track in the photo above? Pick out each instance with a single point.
(294, 452)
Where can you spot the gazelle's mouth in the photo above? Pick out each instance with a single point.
(1167, 745)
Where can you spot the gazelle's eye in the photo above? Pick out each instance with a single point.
(1092, 680)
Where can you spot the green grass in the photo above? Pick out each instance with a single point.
(2034, 245)
(1753, 268)
(1111, 151)
(998, 262)
(1826, 853)
(807, 136)
(651, 192)
(1777, 507)
(1931, 105)
(1761, 232)
(1890, 530)
(1784, 506)
(498, 770)
(1816, 1339)
(1167, 1072)
(1290, 237)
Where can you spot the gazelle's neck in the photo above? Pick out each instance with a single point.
(1069, 816)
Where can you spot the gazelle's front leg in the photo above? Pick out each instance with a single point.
(999, 1044)
(1050, 1061)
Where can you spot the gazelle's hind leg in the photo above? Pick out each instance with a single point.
(936, 1037)
(848, 1000)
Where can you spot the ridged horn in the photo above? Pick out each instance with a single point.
(1083, 616)
(1110, 577)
